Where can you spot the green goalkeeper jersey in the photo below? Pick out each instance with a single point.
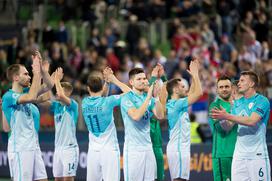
(155, 133)
(223, 141)
(155, 129)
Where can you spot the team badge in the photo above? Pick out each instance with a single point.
(129, 103)
(15, 95)
(250, 105)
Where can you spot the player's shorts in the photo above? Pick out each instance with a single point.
(104, 164)
(27, 165)
(65, 162)
(179, 164)
(139, 165)
(160, 162)
(11, 162)
(251, 169)
(222, 168)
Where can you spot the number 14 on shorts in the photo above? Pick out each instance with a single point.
(71, 166)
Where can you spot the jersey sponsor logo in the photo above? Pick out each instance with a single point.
(260, 110)
(116, 96)
(243, 113)
(58, 118)
(250, 105)
(259, 154)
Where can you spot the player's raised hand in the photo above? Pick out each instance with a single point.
(45, 66)
(108, 74)
(163, 94)
(58, 74)
(194, 67)
(36, 62)
(157, 88)
(161, 71)
(150, 91)
(155, 71)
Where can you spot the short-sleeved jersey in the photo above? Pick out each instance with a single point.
(36, 117)
(251, 140)
(35, 111)
(223, 141)
(137, 133)
(179, 125)
(98, 116)
(65, 118)
(23, 136)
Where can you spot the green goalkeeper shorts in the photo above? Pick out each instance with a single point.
(160, 163)
(222, 169)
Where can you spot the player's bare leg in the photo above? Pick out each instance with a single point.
(68, 179)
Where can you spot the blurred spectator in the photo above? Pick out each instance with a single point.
(224, 8)
(94, 41)
(261, 28)
(253, 45)
(171, 64)
(157, 9)
(207, 35)
(76, 59)
(133, 34)
(48, 35)
(111, 38)
(112, 60)
(158, 58)
(62, 34)
(180, 36)
(226, 49)
(3, 63)
(186, 8)
(196, 133)
(266, 53)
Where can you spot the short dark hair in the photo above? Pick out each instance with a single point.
(95, 83)
(12, 70)
(224, 77)
(67, 86)
(171, 84)
(253, 76)
(134, 72)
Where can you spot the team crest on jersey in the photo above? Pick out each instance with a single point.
(250, 105)
(15, 95)
(129, 103)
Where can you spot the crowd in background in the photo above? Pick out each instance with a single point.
(228, 36)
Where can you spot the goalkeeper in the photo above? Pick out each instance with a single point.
(155, 129)
(224, 132)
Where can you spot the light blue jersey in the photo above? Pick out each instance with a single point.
(251, 140)
(65, 118)
(36, 116)
(137, 133)
(179, 125)
(20, 118)
(98, 116)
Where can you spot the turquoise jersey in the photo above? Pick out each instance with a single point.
(98, 116)
(36, 116)
(137, 133)
(179, 125)
(65, 119)
(251, 140)
(20, 118)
